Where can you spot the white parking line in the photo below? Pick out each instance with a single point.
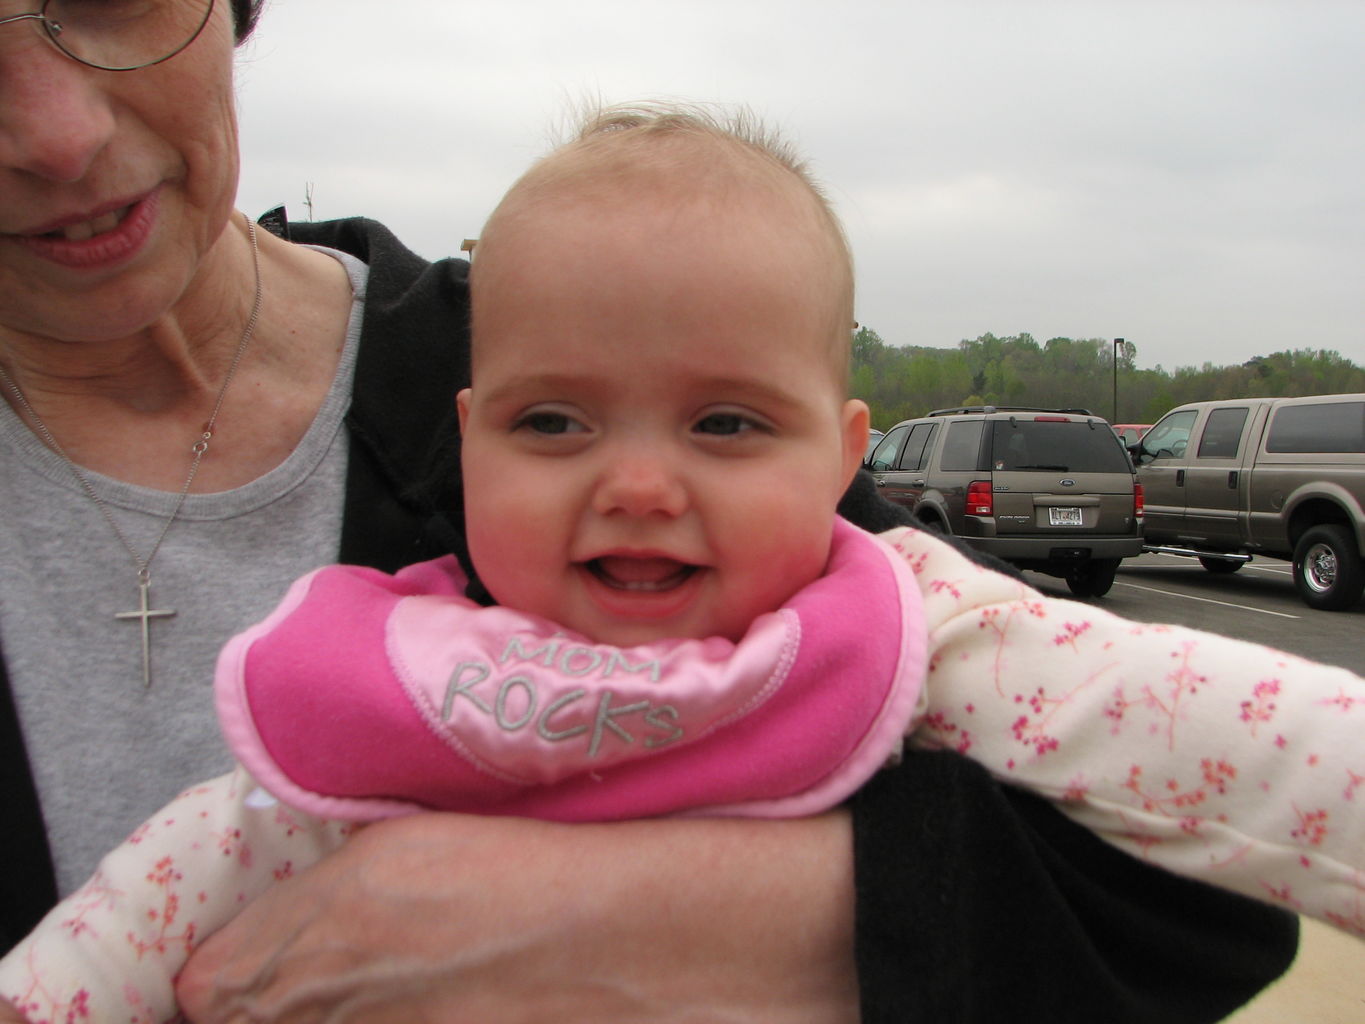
(1270, 567)
(1206, 600)
(1275, 570)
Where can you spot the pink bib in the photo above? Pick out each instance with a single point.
(365, 695)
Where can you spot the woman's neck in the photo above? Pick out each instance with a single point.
(132, 407)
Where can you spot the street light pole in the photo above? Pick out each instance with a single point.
(1117, 343)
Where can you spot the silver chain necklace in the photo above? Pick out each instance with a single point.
(145, 612)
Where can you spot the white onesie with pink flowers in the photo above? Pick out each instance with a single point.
(365, 696)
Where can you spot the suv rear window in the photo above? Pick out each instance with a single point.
(1328, 427)
(1069, 446)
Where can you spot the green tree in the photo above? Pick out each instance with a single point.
(902, 382)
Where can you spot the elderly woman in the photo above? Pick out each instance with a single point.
(198, 409)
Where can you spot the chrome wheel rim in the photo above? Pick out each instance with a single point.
(1320, 568)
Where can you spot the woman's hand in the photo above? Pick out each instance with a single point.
(452, 918)
(9, 1015)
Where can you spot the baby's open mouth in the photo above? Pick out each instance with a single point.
(642, 575)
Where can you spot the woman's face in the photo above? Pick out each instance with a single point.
(113, 185)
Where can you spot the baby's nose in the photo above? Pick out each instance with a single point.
(640, 484)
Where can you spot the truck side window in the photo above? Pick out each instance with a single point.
(1223, 433)
(1320, 427)
(1169, 438)
(913, 456)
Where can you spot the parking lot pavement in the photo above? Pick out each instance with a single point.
(1324, 986)
(1258, 603)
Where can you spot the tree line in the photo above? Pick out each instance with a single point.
(900, 383)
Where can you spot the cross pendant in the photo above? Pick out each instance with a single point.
(146, 614)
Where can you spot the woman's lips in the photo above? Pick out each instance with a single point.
(90, 228)
(105, 240)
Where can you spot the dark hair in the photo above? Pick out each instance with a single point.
(245, 14)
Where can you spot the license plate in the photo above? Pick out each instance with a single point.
(1061, 515)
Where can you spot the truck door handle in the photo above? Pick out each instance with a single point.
(881, 482)
(1232, 478)
(1179, 477)
(919, 483)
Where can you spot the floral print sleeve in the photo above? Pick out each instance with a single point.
(111, 950)
(1217, 759)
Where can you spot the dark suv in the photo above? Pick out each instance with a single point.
(1051, 490)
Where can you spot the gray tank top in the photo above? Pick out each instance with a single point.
(107, 752)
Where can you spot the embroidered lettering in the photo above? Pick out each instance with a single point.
(543, 726)
(546, 654)
(606, 719)
(580, 660)
(617, 659)
(652, 718)
(521, 698)
(594, 659)
(455, 688)
(500, 708)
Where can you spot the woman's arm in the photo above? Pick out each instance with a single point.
(975, 903)
(453, 918)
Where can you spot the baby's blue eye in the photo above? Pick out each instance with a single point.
(722, 423)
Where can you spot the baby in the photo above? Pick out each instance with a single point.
(654, 445)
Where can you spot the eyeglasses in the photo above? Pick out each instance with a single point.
(119, 35)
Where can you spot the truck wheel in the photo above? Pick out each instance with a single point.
(1327, 568)
(1094, 579)
(1220, 566)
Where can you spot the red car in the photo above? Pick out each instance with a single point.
(1130, 433)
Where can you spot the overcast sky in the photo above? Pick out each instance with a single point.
(1187, 174)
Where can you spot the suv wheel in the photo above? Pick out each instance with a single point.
(1094, 578)
(1327, 568)
(1220, 566)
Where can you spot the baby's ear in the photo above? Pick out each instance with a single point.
(462, 401)
(855, 421)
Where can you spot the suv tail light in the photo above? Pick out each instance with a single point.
(980, 500)
(1138, 500)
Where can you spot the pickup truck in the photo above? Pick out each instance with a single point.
(1283, 477)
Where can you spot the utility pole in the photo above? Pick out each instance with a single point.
(1118, 344)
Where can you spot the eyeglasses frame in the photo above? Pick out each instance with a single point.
(52, 30)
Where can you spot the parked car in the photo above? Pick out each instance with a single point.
(1131, 433)
(1283, 477)
(874, 436)
(1051, 490)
